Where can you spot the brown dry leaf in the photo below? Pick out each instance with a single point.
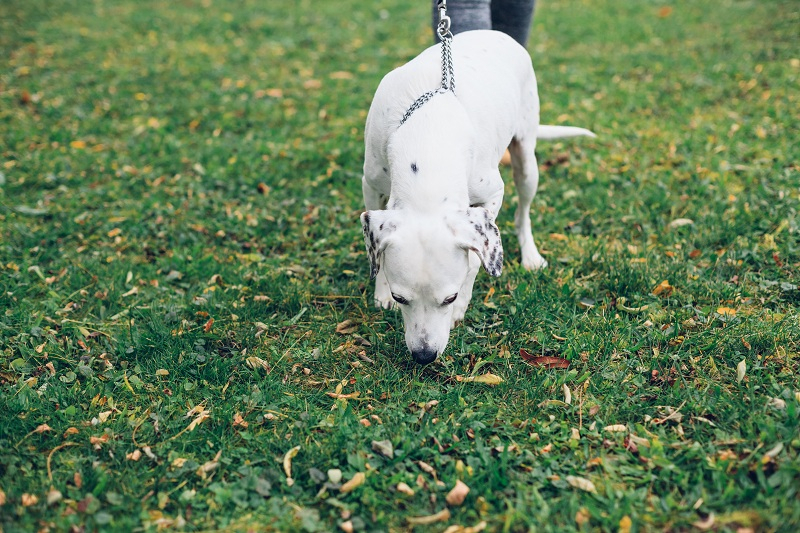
(42, 428)
(582, 516)
(261, 298)
(427, 468)
(726, 311)
(274, 93)
(405, 489)
(488, 378)
(581, 483)
(341, 75)
(179, 462)
(97, 441)
(663, 289)
(80, 145)
(200, 414)
(208, 325)
(256, 363)
(346, 327)
(29, 499)
(625, 524)
(208, 466)
(356, 481)
(135, 455)
(457, 494)
(664, 12)
(441, 516)
(239, 421)
(312, 84)
(347, 526)
(287, 464)
(480, 526)
(545, 361)
(114, 232)
(705, 524)
(2, 497)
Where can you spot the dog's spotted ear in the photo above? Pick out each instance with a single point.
(377, 225)
(475, 230)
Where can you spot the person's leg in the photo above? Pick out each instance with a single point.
(513, 17)
(465, 15)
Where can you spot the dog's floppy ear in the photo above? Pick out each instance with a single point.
(475, 230)
(378, 225)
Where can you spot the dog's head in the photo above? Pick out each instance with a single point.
(426, 260)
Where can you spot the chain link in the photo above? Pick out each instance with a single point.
(448, 78)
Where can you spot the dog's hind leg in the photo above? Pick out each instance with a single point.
(373, 200)
(526, 178)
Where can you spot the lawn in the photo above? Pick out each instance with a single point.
(185, 304)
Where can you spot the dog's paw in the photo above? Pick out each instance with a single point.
(534, 262)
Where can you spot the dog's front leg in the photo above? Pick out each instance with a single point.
(465, 294)
(373, 199)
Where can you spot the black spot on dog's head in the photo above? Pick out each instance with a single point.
(414, 168)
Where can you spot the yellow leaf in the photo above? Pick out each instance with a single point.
(581, 483)
(287, 464)
(312, 84)
(79, 145)
(29, 499)
(341, 75)
(356, 481)
(726, 311)
(441, 516)
(488, 378)
(457, 494)
(741, 370)
(663, 288)
(625, 524)
(616, 428)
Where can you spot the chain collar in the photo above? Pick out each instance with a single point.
(448, 80)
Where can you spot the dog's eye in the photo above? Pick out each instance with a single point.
(450, 299)
(399, 299)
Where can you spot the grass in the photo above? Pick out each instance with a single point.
(169, 164)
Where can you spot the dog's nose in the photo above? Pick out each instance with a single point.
(424, 356)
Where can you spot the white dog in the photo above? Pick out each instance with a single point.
(432, 188)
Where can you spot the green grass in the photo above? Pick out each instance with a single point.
(133, 139)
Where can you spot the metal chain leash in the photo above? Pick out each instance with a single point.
(448, 79)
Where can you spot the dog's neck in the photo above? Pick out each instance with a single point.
(430, 156)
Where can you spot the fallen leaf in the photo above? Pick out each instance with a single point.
(405, 489)
(457, 494)
(581, 483)
(346, 327)
(42, 428)
(625, 524)
(616, 428)
(341, 75)
(741, 370)
(726, 311)
(239, 421)
(776, 403)
(663, 289)
(135, 455)
(678, 222)
(2, 497)
(287, 464)
(179, 462)
(256, 363)
(312, 84)
(441, 516)
(480, 526)
(488, 378)
(356, 481)
(53, 496)
(162, 372)
(545, 361)
(334, 475)
(29, 499)
(582, 516)
(705, 524)
(339, 396)
(208, 325)
(383, 447)
(208, 466)
(347, 526)
(664, 12)
(567, 394)
(78, 144)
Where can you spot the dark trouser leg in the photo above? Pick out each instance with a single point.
(465, 15)
(513, 17)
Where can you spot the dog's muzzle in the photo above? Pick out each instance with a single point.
(424, 356)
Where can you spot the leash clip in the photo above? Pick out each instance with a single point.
(444, 21)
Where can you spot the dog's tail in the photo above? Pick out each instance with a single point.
(547, 132)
